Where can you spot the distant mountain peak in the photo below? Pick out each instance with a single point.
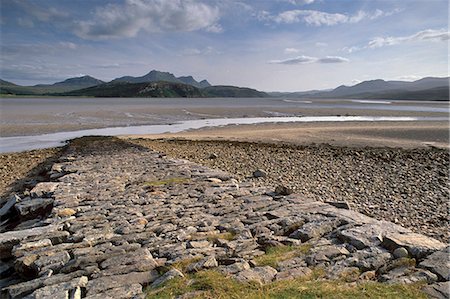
(156, 76)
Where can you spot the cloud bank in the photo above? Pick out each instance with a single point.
(127, 20)
(320, 18)
(307, 59)
(424, 35)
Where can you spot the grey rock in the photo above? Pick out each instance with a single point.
(133, 258)
(235, 267)
(400, 252)
(197, 244)
(438, 263)
(408, 275)
(21, 289)
(367, 235)
(169, 275)
(105, 283)
(205, 263)
(259, 173)
(124, 292)
(369, 259)
(283, 190)
(7, 207)
(45, 189)
(261, 275)
(314, 229)
(11, 238)
(52, 262)
(293, 273)
(35, 206)
(419, 246)
(439, 290)
(61, 290)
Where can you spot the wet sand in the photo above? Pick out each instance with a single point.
(356, 134)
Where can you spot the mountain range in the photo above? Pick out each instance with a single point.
(429, 88)
(165, 84)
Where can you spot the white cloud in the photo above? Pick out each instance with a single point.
(41, 13)
(127, 20)
(68, 45)
(424, 35)
(299, 2)
(332, 59)
(409, 78)
(321, 44)
(307, 59)
(214, 28)
(291, 50)
(195, 51)
(319, 18)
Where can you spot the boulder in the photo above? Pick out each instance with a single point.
(418, 246)
(34, 207)
(205, 263)
(293, 273)
(438, 263)
(261, 275)
(197, 244)
(105, 283)
(45, 189)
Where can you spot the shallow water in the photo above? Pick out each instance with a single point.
(23, 143)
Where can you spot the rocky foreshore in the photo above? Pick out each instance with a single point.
(409, 187)
(114, 218)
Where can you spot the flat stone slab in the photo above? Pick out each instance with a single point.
(11, 238)
(418, 245)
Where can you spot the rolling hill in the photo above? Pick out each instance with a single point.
(153, 89)
(223, 91)
(45, 89)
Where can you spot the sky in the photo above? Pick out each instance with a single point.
(270, 45)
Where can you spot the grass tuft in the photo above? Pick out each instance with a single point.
(211, 284)
(274, 255)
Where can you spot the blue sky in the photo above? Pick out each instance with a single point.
(271, 45)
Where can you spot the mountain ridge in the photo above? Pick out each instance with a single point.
(427, 88)
(157, 76)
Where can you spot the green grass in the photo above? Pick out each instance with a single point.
(213, 237)
(169, 181)
(211, 284)
(274, 255)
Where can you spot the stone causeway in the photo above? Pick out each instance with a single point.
(106, 223)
